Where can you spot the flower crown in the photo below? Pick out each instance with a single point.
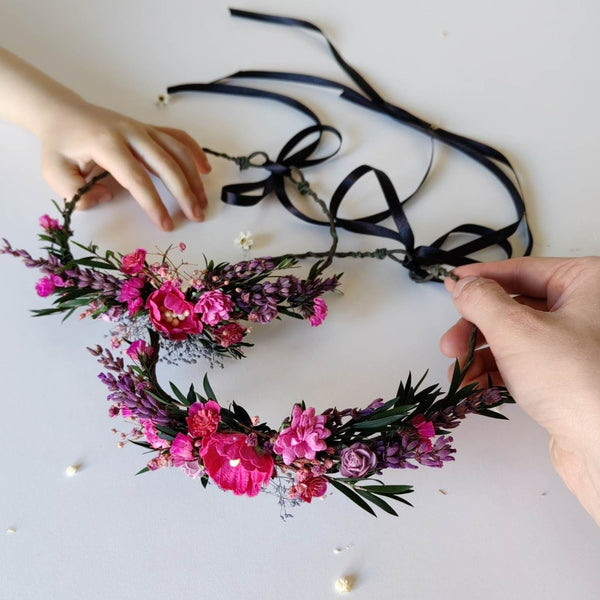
(158, 310)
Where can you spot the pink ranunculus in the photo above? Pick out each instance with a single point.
(203, 418)
(320, 312)
(151, 435)
(234, 465)
(304, 437)
(229, 334)
(137, 349)
(134, 262)
(182, 450)
(171, 314)
(46, 285)
(48, 223)
(214, 306)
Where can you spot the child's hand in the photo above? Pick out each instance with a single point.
(81, 138)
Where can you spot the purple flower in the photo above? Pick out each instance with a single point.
(357, 460)
(304, 437)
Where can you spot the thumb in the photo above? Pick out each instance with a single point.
(486, 304)
(65, 178)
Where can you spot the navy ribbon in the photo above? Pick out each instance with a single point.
(299, 153)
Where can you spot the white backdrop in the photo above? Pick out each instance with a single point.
(518, 75)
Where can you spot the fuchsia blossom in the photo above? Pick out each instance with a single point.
(48, 223)
(203, 418)
(171, 314)
(46, 285)
(134, 262)
(131, 292)
(320, 312)
(182, 450)
(424, 428)
(304, 437)
(137, 349)
(229, 334)
(234, 465)
(151, 435)
(214, 306)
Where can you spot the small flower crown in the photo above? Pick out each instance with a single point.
(159, 310)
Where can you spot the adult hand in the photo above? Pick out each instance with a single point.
(539, 323)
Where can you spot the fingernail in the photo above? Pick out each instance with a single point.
(166, 223)
(105, 197)
(460, 284)
(198, 213)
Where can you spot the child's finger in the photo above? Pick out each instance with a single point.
(190, 143)
(65, 178)
(117, 158)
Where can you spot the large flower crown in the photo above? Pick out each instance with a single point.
(158, 310)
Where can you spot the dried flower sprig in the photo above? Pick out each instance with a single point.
(347, 449)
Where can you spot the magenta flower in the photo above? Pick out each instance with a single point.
(308, 487)
(229, 334)
(320, 312)
(137, 349)
(304, 437)
(182, 450)
(357, 460)
(151, 435)
(171, 314)
(131, 291)
(48, 223)
(134, 262)
(424, 428)
(46, 285)
(234, 465)
(203, 418)
(214, 306)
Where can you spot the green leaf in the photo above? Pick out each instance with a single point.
(144, 470)
(377, 502)
(387, 489)
(352, 495)
(492, 414)
(191, 396)
(377, 423)
(178, 394)
(241, 414)
(207, 389)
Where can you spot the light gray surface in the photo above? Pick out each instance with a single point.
(519, 75)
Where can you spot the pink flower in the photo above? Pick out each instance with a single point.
(229, 334)
(181, 246)
(171, 314)
(424, 428)
(214, 306)
(138, 349)
(182, 450)
(134, 262)
(46, 285)
(309, 488)
(48, 223)
(131, 291)
(203, 418)
(304, 437)
(320, 312)
(151, 435)
(234, 465)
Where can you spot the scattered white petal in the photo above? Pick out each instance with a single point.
(11, 530)
(162, 99)
(343, 585)
(244, 240)
(72, 470)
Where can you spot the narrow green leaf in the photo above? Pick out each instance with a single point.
(207, 389)
(380, 502)
(144, 470)
(352, 495)
(387, 489)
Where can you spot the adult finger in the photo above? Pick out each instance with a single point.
(187, 140)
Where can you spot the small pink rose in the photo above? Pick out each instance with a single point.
(229, 334)
(134, 262)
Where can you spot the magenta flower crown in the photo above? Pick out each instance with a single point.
(160, 310)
